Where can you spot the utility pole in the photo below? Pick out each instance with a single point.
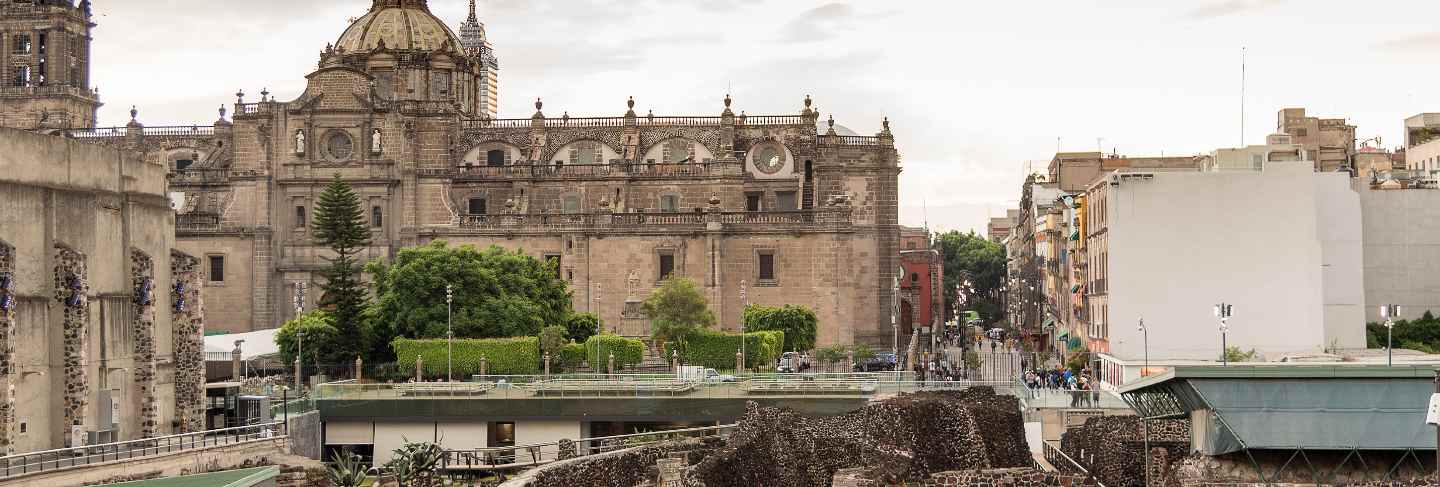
(1224, 312)
(1389, 312)
(745, 303)
(449, 335)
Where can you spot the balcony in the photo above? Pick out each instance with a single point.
(199, 176)
(594, 171)
(197, 223)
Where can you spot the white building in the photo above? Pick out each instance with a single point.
(1282, 244)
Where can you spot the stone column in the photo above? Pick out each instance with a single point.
(739, 361)
(484, 366)
(610, 369)
(419, 369)
(359, 370)
(235, 372)
(547, 365)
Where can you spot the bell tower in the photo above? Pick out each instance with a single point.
(45, 65)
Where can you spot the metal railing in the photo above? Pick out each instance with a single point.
(524, 456)
(1046, 397)
(855, 140)
(644, 121)
(691, 218)
(1063, 463)
(576, 386)
(615, 168)
(50, 460)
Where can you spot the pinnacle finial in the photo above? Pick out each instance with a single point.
(133, 112)
(808, 102)
(630, 103)
(832, 121)
(727, 100)
(539, 104)
(222, 112)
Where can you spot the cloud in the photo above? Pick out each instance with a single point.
(1427, 41)
(819, 23)
(1230, 7)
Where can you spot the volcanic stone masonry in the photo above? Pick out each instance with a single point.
(142, 274)
(72, 290)
(7, 346)
(1112, 447)
(187, 315)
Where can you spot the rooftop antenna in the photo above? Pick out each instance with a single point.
(925, 214)
(1242, 96)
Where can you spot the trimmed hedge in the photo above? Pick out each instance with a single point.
(504, 356)
(717, 349)
(627, 351)
(571, 356)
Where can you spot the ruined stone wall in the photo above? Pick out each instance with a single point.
(1113, 447)
(188, 328)
(902, 438)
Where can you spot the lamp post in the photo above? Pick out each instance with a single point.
(894, 323)
(300, 336)
(449, 334)
(1224, 312)
(744, 303)
(1145, 425)
(1389, 312)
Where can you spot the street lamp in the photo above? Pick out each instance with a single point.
(1145, 425)
(1224, 312)
(744, 303)
(1389, 312)
(299, 335)
(449, 334)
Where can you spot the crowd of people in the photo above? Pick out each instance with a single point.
(1081, 386)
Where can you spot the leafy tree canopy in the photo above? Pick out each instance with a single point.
(582, 326)
(982, 262)
(676, 309)
(798, 323)
(497, 293)
(319, 342)
(1421, 334)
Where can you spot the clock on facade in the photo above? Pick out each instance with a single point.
(769, 160)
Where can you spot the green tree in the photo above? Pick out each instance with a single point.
(582, 326)
(830, 355)
(497, 294)
(552, 338)
(971, 257)
(1234, 354)
(677, 308)
(339, 224)
(320, 340)
(798, 323)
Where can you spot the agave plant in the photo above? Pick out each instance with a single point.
(345, 470)
(414, 464)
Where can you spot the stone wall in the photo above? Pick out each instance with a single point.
(1113, 447)
(627, 467)
(304, 432)
(1291, 467)
(188, 313)
(901, 438)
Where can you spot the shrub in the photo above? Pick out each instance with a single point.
(551, 339)
(570, 357)
(504, 356)
(320, 339)
(798, 323)
(582, 326)
(717, 349)
(628, 351)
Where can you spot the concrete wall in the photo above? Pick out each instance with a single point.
(1181, 242)
(391, 435)
(195, 461)
(305, 435)
(1401, 250)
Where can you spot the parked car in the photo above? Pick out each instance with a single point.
(882, 361)
(712, 376)
(788, 365)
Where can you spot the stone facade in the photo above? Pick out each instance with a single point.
(797, 214)
(1113, 448)
(84, 233)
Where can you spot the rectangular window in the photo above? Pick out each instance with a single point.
(22, 44)
(572, 204)
(767, 266)
(786, 201)
(42, 43)
(752, 201)
(670, 203)
(553, 260)
(181, 164)
(300, 218)
(667, 265)
(377, 217)
(477, 206)
(217, 268)
(22, 76)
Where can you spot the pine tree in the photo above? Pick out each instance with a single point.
(339, 224)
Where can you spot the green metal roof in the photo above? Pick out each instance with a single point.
(1284, 407)
(246, 477)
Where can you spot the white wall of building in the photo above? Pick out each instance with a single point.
(1402, 250)
(1182, 241)
(1424, 157)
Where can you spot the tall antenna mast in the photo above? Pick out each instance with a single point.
(1242, 96)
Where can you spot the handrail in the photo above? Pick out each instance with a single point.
(585, 220)
(543, 453)
(46, 460)
(1061, 461)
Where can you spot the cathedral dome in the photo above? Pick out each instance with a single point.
(400, 25)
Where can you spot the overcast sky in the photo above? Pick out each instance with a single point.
(974, 89)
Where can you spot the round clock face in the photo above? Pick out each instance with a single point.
(339, 145)
(769, 160)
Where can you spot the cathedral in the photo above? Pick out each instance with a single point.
(757, 209)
